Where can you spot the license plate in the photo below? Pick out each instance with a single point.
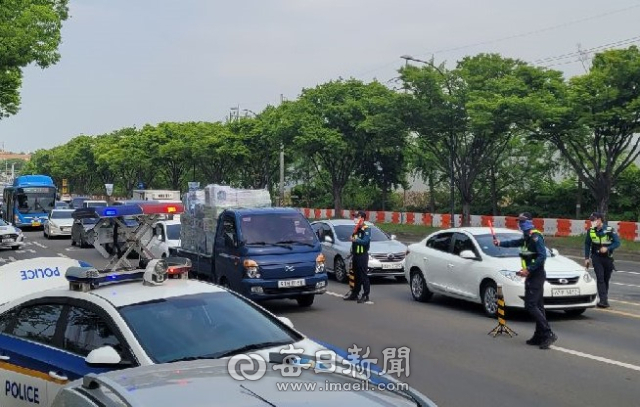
(7, 239)
(35, 223)
(391, 266)
(290, 283)
(564, 292)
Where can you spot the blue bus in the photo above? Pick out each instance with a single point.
(28, 201)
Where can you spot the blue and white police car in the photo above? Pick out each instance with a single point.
(61, 319)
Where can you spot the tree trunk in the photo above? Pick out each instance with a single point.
(466, 213)
(494, 191)
(432, 196)
(337, 197)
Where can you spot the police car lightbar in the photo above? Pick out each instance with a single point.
(107, 211)
(162, 208)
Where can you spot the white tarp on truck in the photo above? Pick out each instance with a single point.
(202, 208)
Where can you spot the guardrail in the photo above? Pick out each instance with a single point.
(548, 226)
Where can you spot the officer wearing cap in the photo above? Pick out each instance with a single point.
(360, 241)
(599, 245)
(533, 254)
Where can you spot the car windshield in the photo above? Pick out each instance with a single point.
(486, 245)
(61, 214)
(36, 200)
(344, 233)
(275, 228)
(173, 232)
(205, 325)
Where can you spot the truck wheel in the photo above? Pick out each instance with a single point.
(305, 300)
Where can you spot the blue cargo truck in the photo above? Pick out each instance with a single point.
(263, 254)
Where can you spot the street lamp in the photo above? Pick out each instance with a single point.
(408, 58)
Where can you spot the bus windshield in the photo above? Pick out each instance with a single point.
(35, 199)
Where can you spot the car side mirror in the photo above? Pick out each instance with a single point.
(328, 239)
(104, 355)
(393, 237)
(286, 321)
(468, 254)
(554, 252)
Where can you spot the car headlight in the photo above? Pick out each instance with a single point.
(320, 263)
(511, 275)
(251, 268)
(587, 277)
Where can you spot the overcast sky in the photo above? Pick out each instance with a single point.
(132, 62)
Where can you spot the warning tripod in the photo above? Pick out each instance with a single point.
(502, 327)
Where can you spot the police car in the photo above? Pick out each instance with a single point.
(61, 319)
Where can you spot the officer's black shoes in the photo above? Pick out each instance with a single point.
(603, 305)
(549, 340)
(350, 296)
(536, 340)
(363, 299)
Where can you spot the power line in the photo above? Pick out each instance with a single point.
(541, 30)
(579, 55)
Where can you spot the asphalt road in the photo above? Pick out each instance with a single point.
(452, 359)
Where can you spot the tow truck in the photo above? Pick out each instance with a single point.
(124, 229)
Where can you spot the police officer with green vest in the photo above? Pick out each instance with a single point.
(360, 242)
(599, 245)
(533, 254)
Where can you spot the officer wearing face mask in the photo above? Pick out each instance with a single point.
(533, 254)
(599, 245)
(360, 242)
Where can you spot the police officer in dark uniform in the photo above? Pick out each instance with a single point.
(361, 240)
(533, 254)
(599, 245)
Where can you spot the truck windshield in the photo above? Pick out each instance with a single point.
(275, 228)
(173, 232)
(200, 326)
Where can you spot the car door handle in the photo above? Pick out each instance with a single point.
(4, 357)
(58, 376)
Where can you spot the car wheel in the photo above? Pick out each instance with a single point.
(340, 270)
(575, 312)
(419, 289)
(73, 241)
(44, 233)
(490, 299)
(305, 300)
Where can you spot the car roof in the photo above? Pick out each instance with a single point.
(478, 230)
(340, 222)
(63, 210)
(266, 210)
(119, 294)
(194, 384)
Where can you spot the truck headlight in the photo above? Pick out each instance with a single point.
(251, 269)
(320, 263)
(511, 275)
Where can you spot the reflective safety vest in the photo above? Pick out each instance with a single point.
(599, 241)
(526, 255)
(358, 248)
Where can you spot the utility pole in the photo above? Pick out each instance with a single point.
(584, 60)
(281, 195)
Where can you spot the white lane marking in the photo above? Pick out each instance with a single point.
(11, 258)
(628, 272)
(3, 260)
(70, 249)
(40, 245)
(21, 251)
(612, 311)
(626, 302)
(598, 358)
(63, 255)
(627, 285)
(342, 296)
(31, 250)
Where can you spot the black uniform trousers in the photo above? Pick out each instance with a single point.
(534, 301)
(603, 267)
(360, 268)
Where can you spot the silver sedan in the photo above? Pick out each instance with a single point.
(386, 254)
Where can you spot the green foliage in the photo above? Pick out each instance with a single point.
(29, 33)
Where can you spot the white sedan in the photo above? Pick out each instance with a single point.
(58, 223)
(464, 263)
(10, 236)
